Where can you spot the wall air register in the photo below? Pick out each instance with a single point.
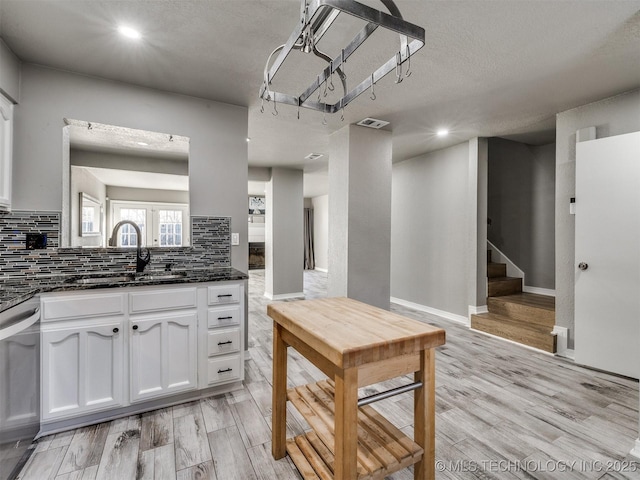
(372, 123)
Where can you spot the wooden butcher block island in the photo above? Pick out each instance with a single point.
(355, 345)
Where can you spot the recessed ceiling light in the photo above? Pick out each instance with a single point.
(313, 156)
(129, 32)
(143, 144)
(443, 132)
(248, 139)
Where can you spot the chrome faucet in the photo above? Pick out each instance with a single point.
(141, 261)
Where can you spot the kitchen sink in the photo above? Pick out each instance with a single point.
(102, 280)
(158, 277)
(127, 278)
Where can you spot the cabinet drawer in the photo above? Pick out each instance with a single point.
(223, 341)
(82, 306)
(223, 316)
(165, 299)
(223, 369)
(224, 294)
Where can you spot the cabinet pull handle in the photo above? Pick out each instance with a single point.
(225, 318)
(135, 327)
(225, 371)
(116, 330)
(225, 343)
(226, 295)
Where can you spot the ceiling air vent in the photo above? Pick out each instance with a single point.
(372, 123)
(313, 156)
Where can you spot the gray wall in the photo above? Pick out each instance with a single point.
(147, 195)
(284, 244)
(522, 207)
(360, 215)
(612, 116)
(218, 148)
(430, 230)
(122, 161)
(9, 73)
(321, 231)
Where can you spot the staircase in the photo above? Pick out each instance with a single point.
(526, 318)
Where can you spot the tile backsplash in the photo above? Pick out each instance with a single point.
(210, 247)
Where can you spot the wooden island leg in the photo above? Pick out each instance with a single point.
(346, 424)
(279, 406)
(425, 416)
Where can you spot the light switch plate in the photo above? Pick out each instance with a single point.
(235, 239)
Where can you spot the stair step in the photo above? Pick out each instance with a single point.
(525, 307)
(504, 286)
(496, 270)
(514, 330)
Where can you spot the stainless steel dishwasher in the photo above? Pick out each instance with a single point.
(19, 385)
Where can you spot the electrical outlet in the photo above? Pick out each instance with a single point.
(235, 239)
(36, 241)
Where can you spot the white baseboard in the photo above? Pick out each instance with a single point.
(635, 451)
(434, 311)
(284, 296)
(540, 291)
(562, 340)
(323, 270)
(478, 310)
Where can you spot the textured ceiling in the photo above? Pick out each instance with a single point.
(489, 67)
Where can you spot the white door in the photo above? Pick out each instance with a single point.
(607, 284)
(82, 369)
(163, 355)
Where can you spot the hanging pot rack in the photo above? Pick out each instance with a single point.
(316, 17)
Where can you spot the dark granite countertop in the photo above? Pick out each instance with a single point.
(15, 290)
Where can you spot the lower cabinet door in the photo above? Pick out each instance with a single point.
(82, 369)
(163, 358)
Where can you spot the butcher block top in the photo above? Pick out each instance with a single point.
(350, 333)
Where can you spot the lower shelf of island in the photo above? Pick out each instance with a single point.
(382, 447)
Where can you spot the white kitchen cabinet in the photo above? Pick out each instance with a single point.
(222, 335)
(82, 367)
(107, 352)
(6, 152)
(163, 354)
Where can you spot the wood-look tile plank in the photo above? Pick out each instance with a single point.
(230, 457)
(61, 439)
(145, 469)
(164, 463)
(267, 468)
(44, 465)
(76, 475)
(190, 441)
(216, 413)
(203, 471)
(85, 448)
(120, 456)
(252, 426)
(156, 429)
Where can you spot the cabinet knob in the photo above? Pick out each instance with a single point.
(116, 330)
(135, 327)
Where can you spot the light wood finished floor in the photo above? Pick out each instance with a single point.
(503, 411)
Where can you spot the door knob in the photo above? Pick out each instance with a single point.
(583, 266)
